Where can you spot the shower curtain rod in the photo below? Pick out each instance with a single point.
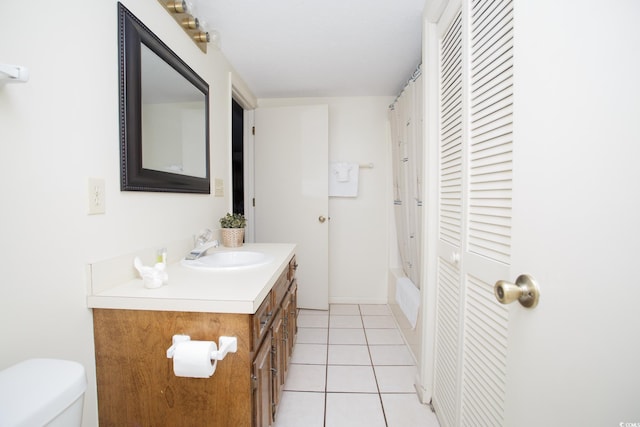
(414, 76)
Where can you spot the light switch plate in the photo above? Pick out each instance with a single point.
(219, 187)
(96, 196)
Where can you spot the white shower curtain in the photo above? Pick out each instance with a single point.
(406, 117)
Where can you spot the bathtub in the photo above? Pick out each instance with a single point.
(412, 336)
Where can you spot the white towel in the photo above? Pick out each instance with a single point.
(342, 171)
(408, 298)
(343, 179)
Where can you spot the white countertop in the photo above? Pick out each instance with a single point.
(239, 290)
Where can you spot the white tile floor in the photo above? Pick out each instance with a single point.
(350, 367)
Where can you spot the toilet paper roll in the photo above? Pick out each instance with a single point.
(193, 359)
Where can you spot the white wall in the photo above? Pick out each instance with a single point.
(58, 130)
(359, 227)
(61, 128)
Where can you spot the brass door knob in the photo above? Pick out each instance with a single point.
(321, 219)
(525, 290)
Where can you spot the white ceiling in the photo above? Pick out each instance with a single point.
(295, 48)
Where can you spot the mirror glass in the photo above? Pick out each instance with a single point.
(164, 115)
(173, 119)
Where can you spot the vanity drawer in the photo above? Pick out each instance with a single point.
(293, 266)
(280, 289)
(261, 320)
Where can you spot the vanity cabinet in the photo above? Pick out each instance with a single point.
(135, 380)
(278, 342)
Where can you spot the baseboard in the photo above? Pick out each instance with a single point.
(351, 300)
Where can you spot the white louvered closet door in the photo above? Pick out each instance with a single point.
(474, 212)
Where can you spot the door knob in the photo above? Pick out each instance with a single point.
(322, 219)
(525, 290)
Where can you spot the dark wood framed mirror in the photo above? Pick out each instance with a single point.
(164, 115)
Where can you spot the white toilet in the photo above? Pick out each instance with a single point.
(42, 392)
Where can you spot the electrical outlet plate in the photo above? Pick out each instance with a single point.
(96, 196)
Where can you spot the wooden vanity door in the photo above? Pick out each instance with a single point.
(262, 397)
(290, 325)
(278, 360)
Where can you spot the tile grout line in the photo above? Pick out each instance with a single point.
(375, 376)
(326, 368)
(329, 328)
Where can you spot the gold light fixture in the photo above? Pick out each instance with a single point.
(201, 37)
(177, 6)
(189, 23)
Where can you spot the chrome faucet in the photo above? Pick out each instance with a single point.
(201, 249)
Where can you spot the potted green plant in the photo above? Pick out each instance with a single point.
(233, 229)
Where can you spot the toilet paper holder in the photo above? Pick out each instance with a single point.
(226, 345)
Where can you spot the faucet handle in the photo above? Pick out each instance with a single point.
(203, 236)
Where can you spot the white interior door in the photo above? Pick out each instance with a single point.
(573, 360)
(291, 191)
(571, 223)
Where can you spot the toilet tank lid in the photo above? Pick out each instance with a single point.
(35, 391)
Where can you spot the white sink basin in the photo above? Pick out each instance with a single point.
(228, 260)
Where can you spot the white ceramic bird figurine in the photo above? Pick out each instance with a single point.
(153, 277)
